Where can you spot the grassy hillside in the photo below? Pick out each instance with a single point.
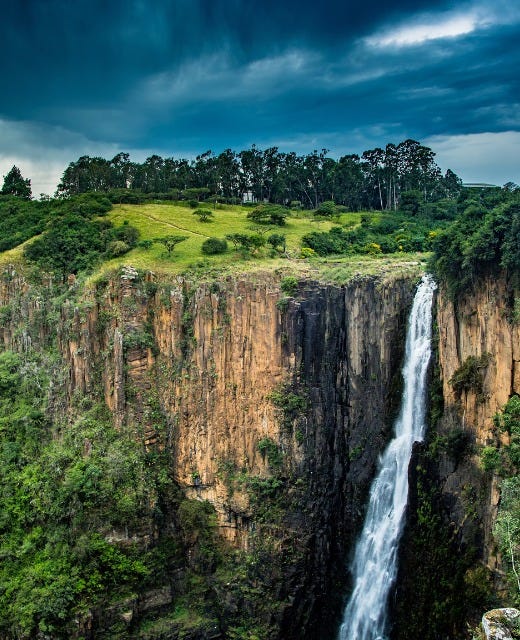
(159, 220)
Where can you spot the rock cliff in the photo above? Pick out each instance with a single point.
(478, 328)
(251, 393)
(453, 502)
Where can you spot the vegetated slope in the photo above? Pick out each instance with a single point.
(159, 220)
(86, 234)
(365, 237)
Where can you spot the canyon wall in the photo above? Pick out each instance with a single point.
(450, 569)
(273, 406)
(479, 326)
(243, 385)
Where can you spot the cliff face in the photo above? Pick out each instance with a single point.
(478, 324)
(228, 362)
(477, 328)
(274, 408)
(453, 501)
(241, 384)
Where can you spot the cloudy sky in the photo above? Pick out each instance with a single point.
(178, 77)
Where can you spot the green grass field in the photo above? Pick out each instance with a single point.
(162, 219)
(159, 220)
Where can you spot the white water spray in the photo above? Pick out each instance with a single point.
(375, 562)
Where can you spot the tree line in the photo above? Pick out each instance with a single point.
(375, 180)
(482, 240)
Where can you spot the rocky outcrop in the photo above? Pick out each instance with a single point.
(498, 624)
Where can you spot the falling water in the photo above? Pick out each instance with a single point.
(375, 562)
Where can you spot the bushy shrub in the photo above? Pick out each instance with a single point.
(470, 375)
(117, 248)
(327, 208)
(204, 215)
(214, 246)
(269, 214)
(289, 285)
(483, 240)
(276, 240)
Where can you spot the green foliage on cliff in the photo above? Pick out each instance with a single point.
(439, 569)
(470, 375)
(380, 233)
(483, 240)
(76, 239)
(65, 489)
(507, 534)
(291, 403)
(21, 220)
(505, 460)
(271, 451)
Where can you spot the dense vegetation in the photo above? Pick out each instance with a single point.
(383, 233)
(505, 461)
(375, 180)
(59, 493)
(73, 234)
(21, 219)
(484, 239)
(91, 519)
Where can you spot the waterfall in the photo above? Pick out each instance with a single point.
(374, 567)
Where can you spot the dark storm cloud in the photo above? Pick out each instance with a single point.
(187, 75)
(61, 52)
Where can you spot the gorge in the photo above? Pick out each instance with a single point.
(260, 417)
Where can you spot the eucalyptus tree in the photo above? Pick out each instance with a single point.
(86, 174)
(349, 182)
(252, 171)
(228, 171)
(373, 162)
(205, 171)
(123, 171)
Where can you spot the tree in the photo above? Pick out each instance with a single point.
(327, 208)
(269, 214)
(16, 185)
(123, 171)
(170, 242)
(452, 184)
(507, 527)
(70, 244)
(204, 215)
(411, 201)
(252, 176)
(248, 242)
(213, 246)
(277, 240)
(87, 174)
